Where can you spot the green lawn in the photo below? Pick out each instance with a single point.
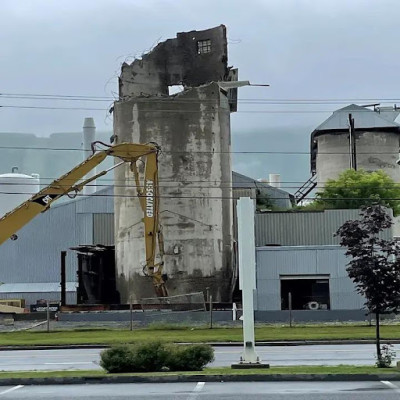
(274, 333)
(341, 369)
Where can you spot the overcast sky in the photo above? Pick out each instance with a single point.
(305, 49)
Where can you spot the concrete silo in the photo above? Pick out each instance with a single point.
(192, 129)
(376, 142)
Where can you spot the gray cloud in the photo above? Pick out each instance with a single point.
(304, 49)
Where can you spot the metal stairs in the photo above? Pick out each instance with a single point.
(304, 190)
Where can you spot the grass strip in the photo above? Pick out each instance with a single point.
(196, 335)
(301, 369)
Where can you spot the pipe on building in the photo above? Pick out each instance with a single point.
(89, 136)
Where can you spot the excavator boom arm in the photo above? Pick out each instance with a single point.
(13, 221)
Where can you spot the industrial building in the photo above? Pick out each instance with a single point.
(295, 251)
(244, 186)
(376, 142)
(310, 278)
(192, 128)
(33, 270)
(32, 263)
(298, 253)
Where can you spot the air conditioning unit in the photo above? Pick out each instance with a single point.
(312, 305)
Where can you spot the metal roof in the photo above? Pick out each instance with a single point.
(364, 118)
(44, 287)
(243, 181)
(280, 197)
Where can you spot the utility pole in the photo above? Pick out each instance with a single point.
(352, 144)
(247, 281)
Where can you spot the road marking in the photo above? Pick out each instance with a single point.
(196, 391)
(199, 387)
(391, 385)
(69, 363)
(12, 389)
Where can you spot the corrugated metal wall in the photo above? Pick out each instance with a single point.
(101, 202)
(35, 256)
(103, 229)
(272, 262)
(303, 228)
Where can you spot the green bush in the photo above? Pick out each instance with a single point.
(116, 359)
(148, 357)
(140, 357)
(189, 357)
(156, 356)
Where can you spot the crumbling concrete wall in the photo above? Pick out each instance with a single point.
(193, 131)
(192, 59)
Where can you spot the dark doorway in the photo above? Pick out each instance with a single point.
(96, 275)
(307, 294)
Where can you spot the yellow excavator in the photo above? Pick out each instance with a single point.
(147, 191)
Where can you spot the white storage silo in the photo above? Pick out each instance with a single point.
(275, 180)
(15, 188)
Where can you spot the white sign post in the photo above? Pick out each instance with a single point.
(247, 281)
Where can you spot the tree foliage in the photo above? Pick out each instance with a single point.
(375, 263)
(263, 201)
(354, 189)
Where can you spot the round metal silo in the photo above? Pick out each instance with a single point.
(15, 188)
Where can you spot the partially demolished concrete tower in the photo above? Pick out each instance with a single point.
(193, 130)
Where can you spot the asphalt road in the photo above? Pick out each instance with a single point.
(86, 359)
(383, 390)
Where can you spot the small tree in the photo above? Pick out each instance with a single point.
(375, 264)
(263, 201)
(354, 189)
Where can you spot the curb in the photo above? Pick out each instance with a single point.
(215, 344)
(201, 378)
(55, 347)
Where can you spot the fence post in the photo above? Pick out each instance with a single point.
(131, 312)
(290, 308)
(211, 312)
(63, 278)
(48, 315)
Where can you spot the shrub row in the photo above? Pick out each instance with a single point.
(156, 356)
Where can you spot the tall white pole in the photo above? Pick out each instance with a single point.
(89, 136)
(247, 280)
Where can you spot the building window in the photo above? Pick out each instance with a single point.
(204, 46)
(307, 293)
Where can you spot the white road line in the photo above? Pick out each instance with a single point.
(69, 363)
(12, 389)
(196, 391)
(391, 385)
(199, 387)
